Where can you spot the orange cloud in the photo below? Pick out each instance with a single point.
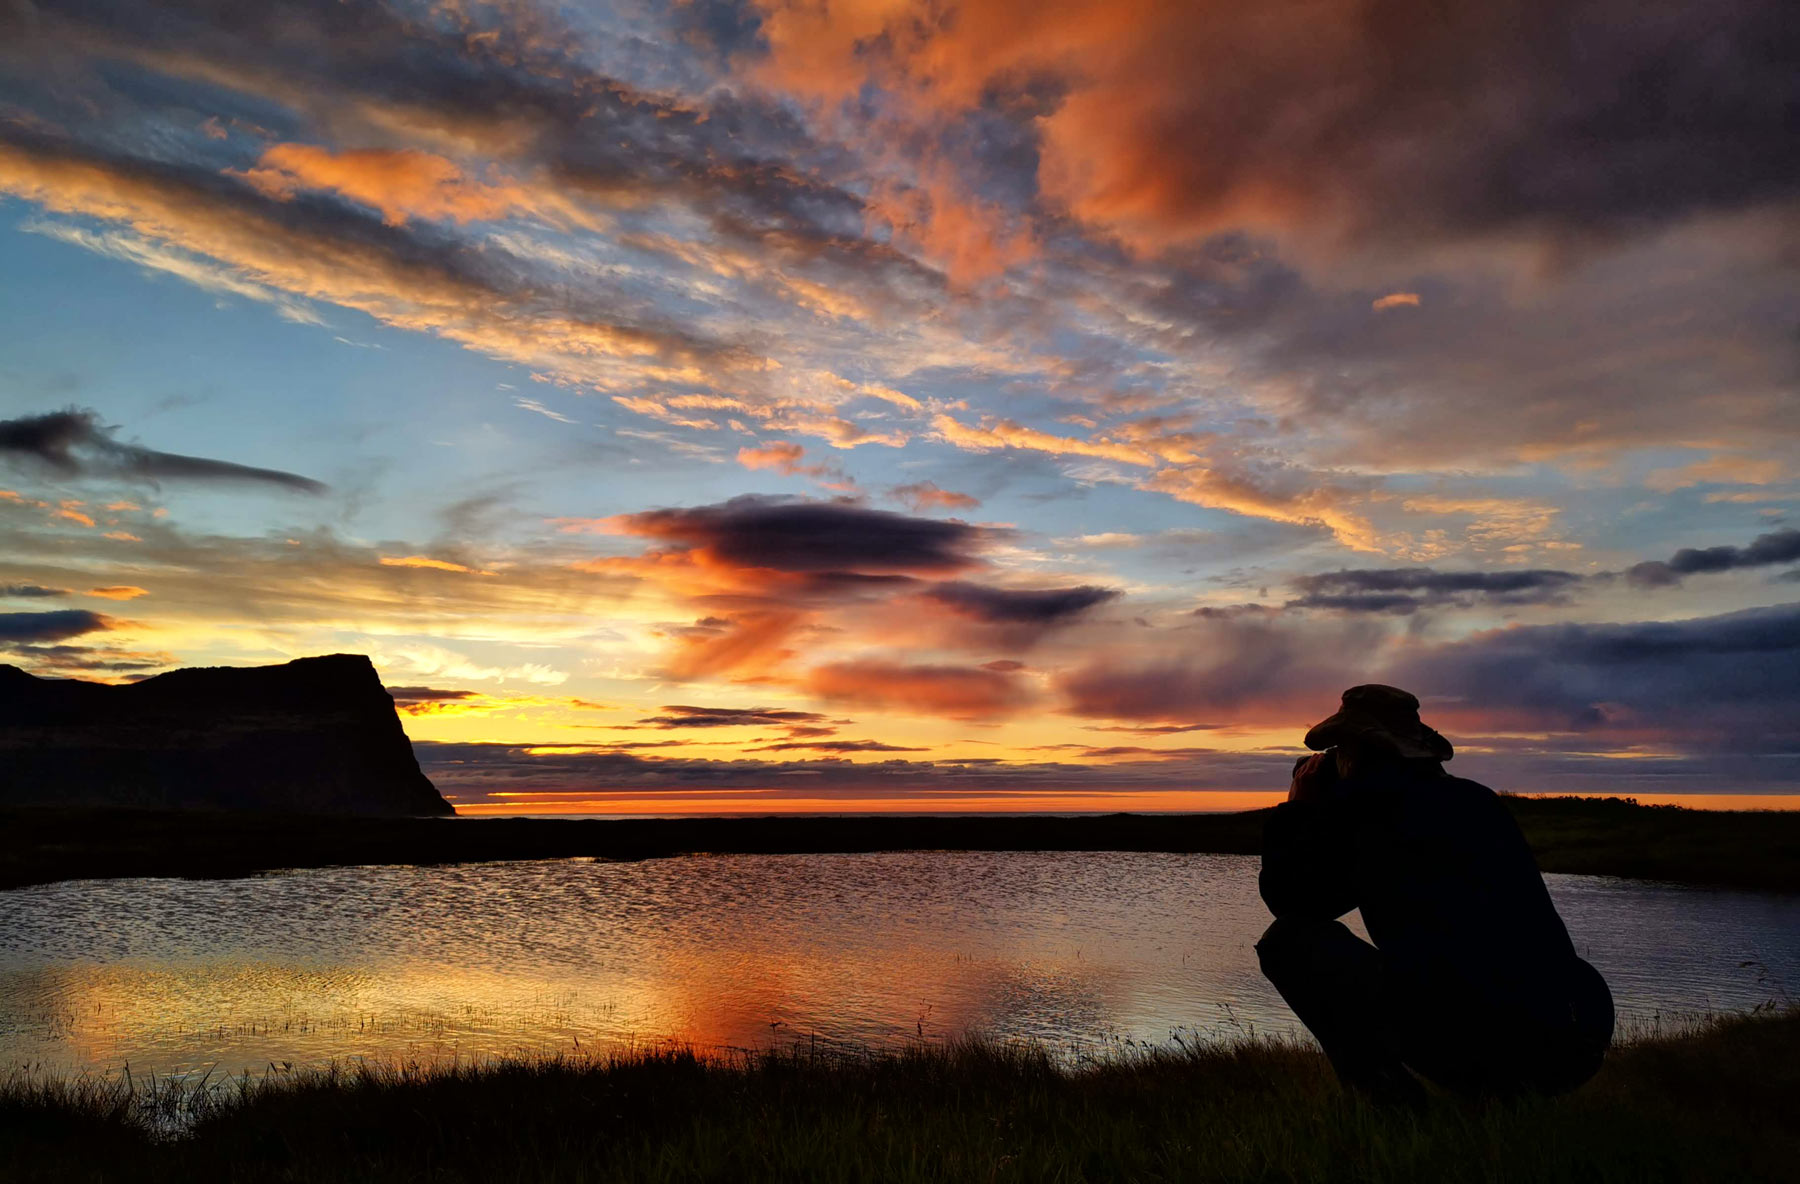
(1172, 121)
(1396, 300)
(401, 183)
(433, 564)
(751, 646)
(783, 456)
(1150, 446)
(925, 495)
(1720, 469)
(971, 239)
(960, 692)
(1007, 434)
(69, 511)
(118, 592)
(1321, 506)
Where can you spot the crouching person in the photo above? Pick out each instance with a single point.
(1472, 982)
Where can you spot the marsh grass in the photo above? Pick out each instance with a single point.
(1712, 1102)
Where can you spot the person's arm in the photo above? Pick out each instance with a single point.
(1308, 857)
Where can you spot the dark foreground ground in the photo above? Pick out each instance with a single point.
(1713, 1106)
(1609, 836)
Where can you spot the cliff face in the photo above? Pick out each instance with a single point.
(315, 736)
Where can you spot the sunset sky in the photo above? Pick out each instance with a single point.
(790, 404)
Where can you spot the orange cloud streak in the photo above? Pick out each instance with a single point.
(401, 183)
(427, 562)
(118, 592)
(959, 692)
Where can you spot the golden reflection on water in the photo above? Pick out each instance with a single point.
(429, 964)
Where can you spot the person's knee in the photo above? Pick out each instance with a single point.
(1291, 941)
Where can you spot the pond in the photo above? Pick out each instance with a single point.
(1077, 950)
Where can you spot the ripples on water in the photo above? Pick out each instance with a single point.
(734, 951)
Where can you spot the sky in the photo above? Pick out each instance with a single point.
(779, 404)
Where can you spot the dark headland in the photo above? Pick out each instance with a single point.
(316, 735)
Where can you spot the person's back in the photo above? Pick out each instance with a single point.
(1472, 980)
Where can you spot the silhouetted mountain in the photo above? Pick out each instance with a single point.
(317, 735)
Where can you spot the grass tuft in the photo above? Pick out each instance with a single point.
(1712, 1103)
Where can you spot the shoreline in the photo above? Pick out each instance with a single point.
(1708, 1103)
(1586, 836)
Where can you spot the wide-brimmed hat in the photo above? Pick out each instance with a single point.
(1383, 716)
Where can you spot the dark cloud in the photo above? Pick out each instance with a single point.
(1767, 550)
(1407, 589)
(680, 716)
(50, 626)
(427, 695)
(74, 443)
(1230, 612)
(1120, 750)
(833, 746)
(621, 745)
(1012, 606)
(1729, 682)
(789, 535)
(52, 661)
(473, 769)
(726, 26)
(31, 591)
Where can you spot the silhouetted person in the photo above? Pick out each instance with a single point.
(1472, 981)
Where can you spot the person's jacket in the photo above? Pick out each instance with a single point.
(1449, 891)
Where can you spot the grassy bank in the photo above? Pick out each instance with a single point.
(1713, 1105)
(1758, 850)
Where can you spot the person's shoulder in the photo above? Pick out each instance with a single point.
(1440, 793)
(1466, 786)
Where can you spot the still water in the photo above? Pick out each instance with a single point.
(426, 963)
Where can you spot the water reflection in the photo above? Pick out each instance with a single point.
(732, 951)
